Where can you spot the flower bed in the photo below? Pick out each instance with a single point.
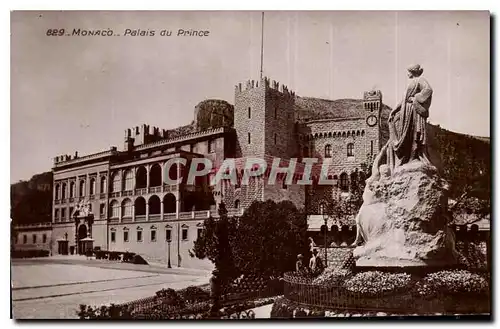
(399, 292)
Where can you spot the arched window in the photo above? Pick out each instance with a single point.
(141, 177)
(350, 150)
(154, 205)
(328, 151)
(64, 191)
(140, 206)
(92, 186)
(72, 189)
(344, 184)
(58, 192)
(82, 188)
(103, 184)
(114, 207)
(127, 208)
(155, 175)
(115, 182)
(169, 203)
(128, 180)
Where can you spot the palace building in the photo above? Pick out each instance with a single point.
(129, 207)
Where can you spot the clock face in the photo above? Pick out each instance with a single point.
(371, 120)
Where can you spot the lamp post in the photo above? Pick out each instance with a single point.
(325, 218)
(168, 241)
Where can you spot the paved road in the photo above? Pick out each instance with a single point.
(53, 288)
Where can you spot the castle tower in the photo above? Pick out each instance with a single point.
(264, 119)
(372, 105)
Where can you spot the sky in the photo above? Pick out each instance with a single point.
(80, 93)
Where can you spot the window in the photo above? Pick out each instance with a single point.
(139, 236)
(328, 151)
(103, 184)
(56, 215)
(64, 190)
(72, 189)
(82, 188)
(371, 147)
(92, 186)
(153, 235)
(343, 182)
(249, 138)
(44, 238)
(283, 184)
(237, 204)
(34, 238)
(184, 234)
(25, 239)
(305, 152)
(58, 192)
(63, 213)
(125, 236)
(102, 208)
(113, 237)
(168, 235)
(350, 150)
(16, 239)
(209, 147)
(275, 138)
(71, 209)
(249, 113)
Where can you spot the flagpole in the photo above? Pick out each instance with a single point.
(262, 46)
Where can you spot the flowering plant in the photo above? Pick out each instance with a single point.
(456, 281)
(332, 276)
(376, 282)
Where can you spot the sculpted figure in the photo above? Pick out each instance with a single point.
(407, 133)
(407, 125)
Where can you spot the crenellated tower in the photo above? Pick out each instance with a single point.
(264, 119)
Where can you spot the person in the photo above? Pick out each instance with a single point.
(316, 263)
(312, 245)
(299, 264)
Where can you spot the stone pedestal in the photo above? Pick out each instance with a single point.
(403, 220)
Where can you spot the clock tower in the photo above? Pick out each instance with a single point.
(372, 105)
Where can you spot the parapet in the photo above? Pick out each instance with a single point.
(266, 83)
(372, 95)
(62, 158)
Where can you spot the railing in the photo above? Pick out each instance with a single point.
(169, 215)
(57, 201)
(114, 194)
(186, 215)
(169, 188)
(141, 191)
(303, 291)
(140, 218)
(102, 196)
(92, 197)
(156, 189)
(128, 193)
(113, 220)
(201, 214)
(154, 217)
(127, 219)
(34, 225)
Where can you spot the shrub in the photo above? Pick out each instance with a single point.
(194, 294)
(29, 253)
(373, 283)
(128, 257)
(171, 297)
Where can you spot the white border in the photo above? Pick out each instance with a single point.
(194, 5)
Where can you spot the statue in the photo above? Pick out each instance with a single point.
(403, 219)
(407, 125)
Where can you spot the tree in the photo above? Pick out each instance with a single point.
(269, 237)
(215, 244)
